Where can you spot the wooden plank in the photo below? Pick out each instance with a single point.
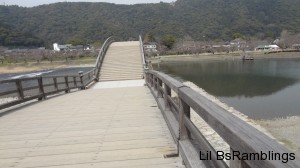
(168, 116)
(183, 112)
(48, 85)
(167, 94)
(74, 80)
(173, 104)
(55, 83)
(19, 79)
(20, 89)
(41, 87)
(171, 82)
(67, 85)
(8, 92)
(190, 155)
(30, 88)
(205, 146)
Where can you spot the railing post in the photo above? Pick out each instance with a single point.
(67, 85)
(75, 83)
(159, 87)
(184, 111)
(148, 79)
(55, 84)
(152, 79)
(155, 82)
(167, 93)
(81, 81)
(41, 88)
(20, 89)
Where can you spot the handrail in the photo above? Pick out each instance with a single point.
(49, 85)
(142, 53)
(26, 89)
(240, 136)
(101, 56)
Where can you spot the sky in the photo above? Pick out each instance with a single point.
(31, 3)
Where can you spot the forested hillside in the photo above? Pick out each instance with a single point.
(199, 19)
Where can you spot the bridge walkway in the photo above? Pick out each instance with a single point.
(122, 62)
(114, 124)
(101, 127)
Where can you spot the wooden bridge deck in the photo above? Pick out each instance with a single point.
(112, 127)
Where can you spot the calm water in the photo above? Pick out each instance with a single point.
(261, 89)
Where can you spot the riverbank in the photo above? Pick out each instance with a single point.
(29, 67)
(223, 56)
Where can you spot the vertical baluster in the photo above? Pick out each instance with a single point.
(155, 82)
(184, 111)
(151, 80)
(75, 82)
(81, 81)
(67, 85)
(167, 93)
(55, 84)
(159, 87)
(20, 88)
(41, 88)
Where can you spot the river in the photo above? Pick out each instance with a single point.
(64, 71)
(261, 89)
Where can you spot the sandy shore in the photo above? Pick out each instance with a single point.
(29, 67)
(285, 130)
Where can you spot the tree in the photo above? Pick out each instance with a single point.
(237, 35)
(149, 38)
(75, 41)
(287, 39)
(168, 41)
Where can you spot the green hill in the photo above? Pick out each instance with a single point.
(90, 22)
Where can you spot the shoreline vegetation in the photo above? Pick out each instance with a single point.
(285, 131)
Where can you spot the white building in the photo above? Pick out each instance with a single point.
(150, 47)
(267, 47)
(57, 47)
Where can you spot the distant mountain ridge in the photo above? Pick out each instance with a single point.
(199, 19)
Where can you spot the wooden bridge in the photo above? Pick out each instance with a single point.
(120, 114)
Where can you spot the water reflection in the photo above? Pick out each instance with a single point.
(250, 86)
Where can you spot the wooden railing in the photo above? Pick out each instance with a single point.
(25, 89)
(16, 91)
(240, 136)
(142, 53)
(101, 56)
